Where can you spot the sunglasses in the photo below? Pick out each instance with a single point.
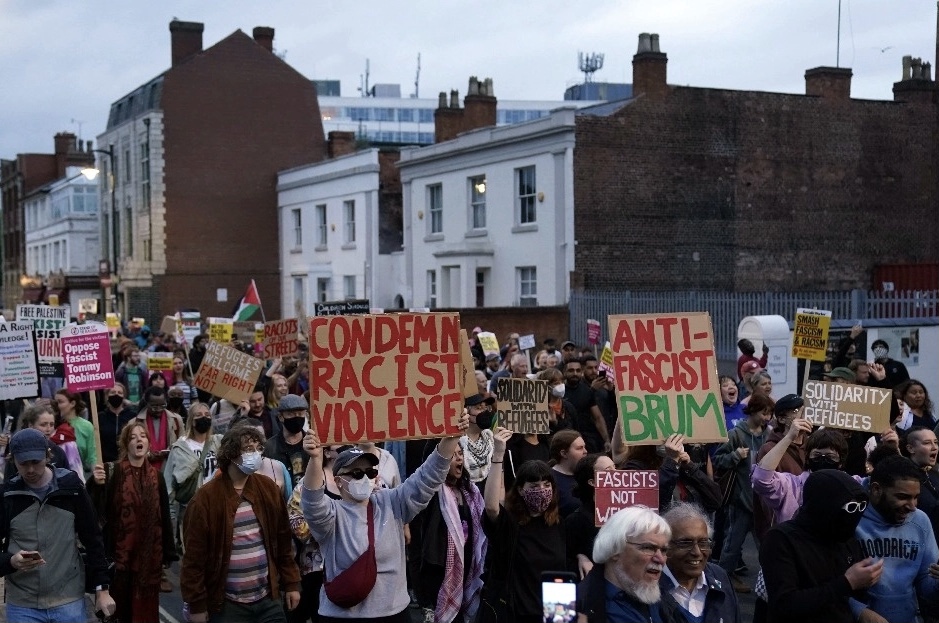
(355, 474)
(854, 507)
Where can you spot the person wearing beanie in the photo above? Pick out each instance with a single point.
(813, 566)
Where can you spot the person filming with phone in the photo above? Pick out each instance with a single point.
(50, 506)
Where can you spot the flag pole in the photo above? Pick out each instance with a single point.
(260, 304)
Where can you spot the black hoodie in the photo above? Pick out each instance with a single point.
(804, 560)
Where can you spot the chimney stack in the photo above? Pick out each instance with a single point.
(916, 85)
(479, 110)
(185, 40)
(833, 83)
(340, 143)
(264, 35)
(649, 68)
(64, 143)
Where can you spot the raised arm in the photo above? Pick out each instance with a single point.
(495, 482)
(774, 456)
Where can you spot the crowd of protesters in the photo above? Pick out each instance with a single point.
(269, 524)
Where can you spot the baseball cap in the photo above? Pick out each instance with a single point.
(349, 456)
(29, 444)
(788, 403)
(472, 401)
(292, 402)
(841, 373)
(568, 343)
(749, 366)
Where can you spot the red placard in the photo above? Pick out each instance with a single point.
(619, 489)
(86, 353)
(593, 331)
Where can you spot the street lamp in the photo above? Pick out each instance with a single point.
(91, 173)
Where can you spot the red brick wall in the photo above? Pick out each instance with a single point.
(744, 191)
(234, 116)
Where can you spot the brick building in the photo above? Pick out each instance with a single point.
(712, 189)
(196, 152)
(19, 177)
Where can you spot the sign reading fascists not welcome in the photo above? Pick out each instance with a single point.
(86, 353)
(385, 377)
(619, 489)
(228, 373)
(522, 405)
(851, 407)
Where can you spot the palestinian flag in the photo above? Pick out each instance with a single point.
(249, 304)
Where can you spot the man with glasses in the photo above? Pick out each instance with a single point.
(629, 555)
(699, 590)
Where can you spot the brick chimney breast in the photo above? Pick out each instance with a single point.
(829, 82)
(649, 68)
(185, 40)
(264, 35)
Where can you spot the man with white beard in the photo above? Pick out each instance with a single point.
(629, 556)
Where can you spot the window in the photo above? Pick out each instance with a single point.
(432, 289)
(528, 286)
(321, 225)
(348, 222)
(435, 208)
(145, 172)
(117, 237)
(480, 288)
(348, 285)
(526, 195)
(127, 166)
(129, 224)
(322, 289)
(297, 229)
(477, 190)
(299, 297)
(406, 114)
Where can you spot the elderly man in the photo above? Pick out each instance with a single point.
(697, 589)
(629, 555)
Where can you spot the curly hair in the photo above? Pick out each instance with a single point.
(237, 436)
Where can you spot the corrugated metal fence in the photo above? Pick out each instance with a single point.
(727, 309)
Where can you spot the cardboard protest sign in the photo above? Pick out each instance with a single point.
(190, 325)
(810, 335)
(526, 342)
(665, 373)
(522, 405)
(48, 323)
(281, 338)
(342, 308)
(851, 407)
(19, 374)
(170, 326)
(258, 332)
(228, 373)
(86, 354)
(489, 342)
(593, 331)
(619, 489)
(385, 377)
(221, 329)
(162, 363)
(469, 371)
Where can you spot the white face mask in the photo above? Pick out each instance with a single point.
(558, 390)
(250, 462)
(359, 489)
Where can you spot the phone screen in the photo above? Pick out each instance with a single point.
(558, 598)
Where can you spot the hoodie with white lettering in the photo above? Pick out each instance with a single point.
(907, 550)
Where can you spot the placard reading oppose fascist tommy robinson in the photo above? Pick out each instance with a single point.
(384, 377)
(227, 372)
(86, 353)
(851, 407)
(619, 489)
(665, 374)
(522, 405)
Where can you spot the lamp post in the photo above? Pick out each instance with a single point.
(91, 173)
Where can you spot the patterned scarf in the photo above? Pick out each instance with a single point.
(455, 597)
(136, 523)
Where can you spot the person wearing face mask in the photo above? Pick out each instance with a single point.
(192, 459)
(477, 442)
(560, 411)
(112, 418)
(361, 536)
(895, 371)
(813, 566)
(163, 426)
(238, 562)
(287, 445)
(526, 538)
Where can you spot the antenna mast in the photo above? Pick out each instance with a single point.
(589, 64)
(838, 51)
(363, 81)
(417, 78)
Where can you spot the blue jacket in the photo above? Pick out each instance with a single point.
(907, 551)
(720, 603)
(594, 592)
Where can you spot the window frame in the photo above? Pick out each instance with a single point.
(527, 279)
(526, 202)
(477, 202)
(435, 209)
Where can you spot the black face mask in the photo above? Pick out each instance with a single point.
(175, 405)
(115, 401)
(484, 420)
(820, 463)
(294, 425)
(202, 424)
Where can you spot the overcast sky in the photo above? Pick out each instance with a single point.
(63, 62)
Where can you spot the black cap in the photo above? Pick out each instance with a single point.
(472, 401)
(788, 403)
(348, 456)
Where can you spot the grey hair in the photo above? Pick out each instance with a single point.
(686, 511)
(627, 524)
(759, 376)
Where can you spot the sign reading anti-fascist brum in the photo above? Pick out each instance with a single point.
(227, 372)
(810, 335)
(851, 407)
(385, 377)
(665, 374)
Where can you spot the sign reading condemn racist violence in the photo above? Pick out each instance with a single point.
(665, 374)
(810, 335)
(86, 353)
(281, 338)
(384, 377)
(228, 373)
(19, 376)
(619, 489)
(47, 322)
(851, 407)
(522, 405)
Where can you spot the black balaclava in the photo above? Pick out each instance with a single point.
(823, 496)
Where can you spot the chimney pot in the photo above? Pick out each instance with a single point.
(264, 35)
(489, 90)
(927, 71)
(454, 98)
(907, 65)
(650, 68)
(442, 100)
(185, 40)
(473, 88)
(654, 41)
(645, 43)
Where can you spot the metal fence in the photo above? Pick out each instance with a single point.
(727, 309)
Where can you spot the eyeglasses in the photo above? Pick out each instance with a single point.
(684, 545)
(649, 549)
(854, 507)
(155, 408)
(834, 456)
(355, 474)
